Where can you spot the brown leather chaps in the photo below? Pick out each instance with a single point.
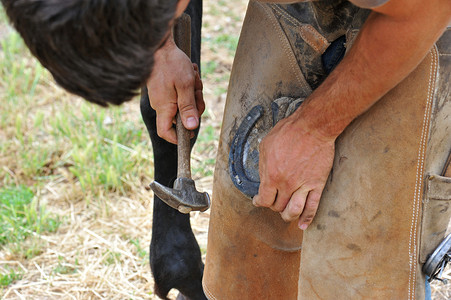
(385, 206)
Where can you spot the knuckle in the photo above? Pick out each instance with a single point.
(161, 133)
(293, 182)
(309, 218)
(264, 203)
(277, 208)
(188, 107)
(287, 218)
(275, 176)
(297, 207)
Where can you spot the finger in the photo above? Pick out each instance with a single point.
(196, 67)
(295, 205)
(198, 92)
(281, 202)
(266, 196)
(200, 103)
(198, 85)
(187, 102)
(164, 127)
(311, 206)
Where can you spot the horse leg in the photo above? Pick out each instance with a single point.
(175, 257)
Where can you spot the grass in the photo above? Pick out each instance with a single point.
(140, 251)
(55, 146)
(111, 257)
(104, 153)
(64, 268)
(20, 218)
(8, 276)
(55, 135)
(225, 41)
(80, 172)
(72, 159)
(209, 67)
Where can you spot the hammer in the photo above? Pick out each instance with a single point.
(184, 197)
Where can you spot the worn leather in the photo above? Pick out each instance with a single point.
(364, 242)
(436, 199)
(367, 230)
(252, 253)
(436, 214)
(364, 234)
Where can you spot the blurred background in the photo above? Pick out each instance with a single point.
(75, 210)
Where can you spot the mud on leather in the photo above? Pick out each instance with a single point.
(386, 200)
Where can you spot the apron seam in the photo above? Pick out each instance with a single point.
(207, 292)
(413, 243)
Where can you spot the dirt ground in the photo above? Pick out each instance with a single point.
(100, 250)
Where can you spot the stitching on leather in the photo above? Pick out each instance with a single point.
(207, 292)
(303, 27)
(419, 177)
(286, 47)
(296, 22)
(289, 17)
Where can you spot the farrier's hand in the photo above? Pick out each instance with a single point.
(175, 83)
(294, 166)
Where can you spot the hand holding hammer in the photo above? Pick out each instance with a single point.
(183, 196)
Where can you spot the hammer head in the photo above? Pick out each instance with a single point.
(184, 197)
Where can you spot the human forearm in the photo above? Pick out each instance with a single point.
(394, 40)
(390, 45)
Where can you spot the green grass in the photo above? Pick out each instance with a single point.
(141, 252)
(20, 217)
(227, 41)
(48, 134)
(209, 68)
(100, 156)
(220, 90)
(63, 267)
(3, 18)
(19, 72)
(222, 41)
(51, 138)
(8, 276)
(111, 257)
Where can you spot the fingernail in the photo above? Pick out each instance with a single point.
(303, 226)
(191, 122)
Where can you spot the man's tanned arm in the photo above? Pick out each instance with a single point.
(297, 155)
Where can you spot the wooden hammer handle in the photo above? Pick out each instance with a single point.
(182, 38)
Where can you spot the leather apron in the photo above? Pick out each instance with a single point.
(365, 239)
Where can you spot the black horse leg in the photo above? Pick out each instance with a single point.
(175, 257)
